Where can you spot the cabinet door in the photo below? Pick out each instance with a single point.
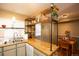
(9, 47)
(0, 54)
(0, 49)
(10, 53)
(37, 53)
(21, 51)
(29, 50)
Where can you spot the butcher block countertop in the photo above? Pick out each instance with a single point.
(42, 46)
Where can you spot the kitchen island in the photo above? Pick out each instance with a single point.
(20, 48)
(42, 46)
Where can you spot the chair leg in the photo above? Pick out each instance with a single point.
(67, 52)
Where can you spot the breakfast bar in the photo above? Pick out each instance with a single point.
(42, 46)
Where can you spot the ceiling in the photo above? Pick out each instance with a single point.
(63, 6)
(33, 9)
(28, 9)
(69, 9)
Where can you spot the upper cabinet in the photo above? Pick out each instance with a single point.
(30, 27)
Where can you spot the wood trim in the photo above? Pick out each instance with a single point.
(68, 21)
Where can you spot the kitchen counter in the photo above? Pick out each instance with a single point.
(41, 46)
(10, 43)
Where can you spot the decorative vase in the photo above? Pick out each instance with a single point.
(3, 26)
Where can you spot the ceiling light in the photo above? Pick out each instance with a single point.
(65, 16)
(51, 5)
(13, 19)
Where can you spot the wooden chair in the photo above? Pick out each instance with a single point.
(64, 46)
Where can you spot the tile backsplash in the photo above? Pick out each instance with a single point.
(10, 34)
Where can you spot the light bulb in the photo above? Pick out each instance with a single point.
(52, 4)
(13, 19)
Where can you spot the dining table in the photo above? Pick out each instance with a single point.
(71, 42)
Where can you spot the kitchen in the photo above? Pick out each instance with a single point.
(28, 29)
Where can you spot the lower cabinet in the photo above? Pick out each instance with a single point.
(14, 50)
(29, 50)
(9, 50)
(0, 54)
(0, 51)
(21, 51)
(10, 53)
(9, 47)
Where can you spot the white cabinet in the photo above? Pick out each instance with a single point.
(0, 54)
(37, 53)
(29, 50)
(0, 49)
(10, 53)
(9, 50)
(14, 50)
(9, 47)
(21, 51)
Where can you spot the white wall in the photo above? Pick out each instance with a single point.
(73, 27)
(6, 19)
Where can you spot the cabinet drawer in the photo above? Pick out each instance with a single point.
(9, 47)
(10, 53)
(20, 45)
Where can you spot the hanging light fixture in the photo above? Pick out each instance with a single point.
(54, 10)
